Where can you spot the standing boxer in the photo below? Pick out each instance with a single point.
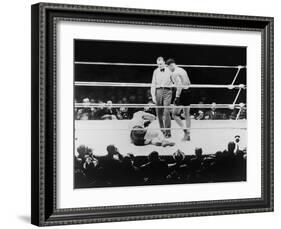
(161, 92)
(182, 98)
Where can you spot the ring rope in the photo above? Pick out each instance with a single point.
(236, 75)
(114, 84)
(155, 65)
(238, 93)
(131, 105)
(172, 128)
(238, 114)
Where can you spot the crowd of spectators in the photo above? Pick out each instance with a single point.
(116, 169)
(105, 111)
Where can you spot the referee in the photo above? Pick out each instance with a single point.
(161, 92)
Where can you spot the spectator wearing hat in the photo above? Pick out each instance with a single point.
(213, 114)
(178, 170)
(90, 168)
(156, 170)
(131, 175)
(196, 165)
(111, 166)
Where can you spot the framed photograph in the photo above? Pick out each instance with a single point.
(146, 114)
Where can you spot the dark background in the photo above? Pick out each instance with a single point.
(136, 52)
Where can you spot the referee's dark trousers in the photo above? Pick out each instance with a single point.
(164, 98)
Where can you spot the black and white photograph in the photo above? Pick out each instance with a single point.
(151, 113)
(141, 114)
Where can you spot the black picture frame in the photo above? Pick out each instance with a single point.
(44, 211)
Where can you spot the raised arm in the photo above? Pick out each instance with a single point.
(148, 116)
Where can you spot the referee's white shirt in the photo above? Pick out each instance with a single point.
(160, 79)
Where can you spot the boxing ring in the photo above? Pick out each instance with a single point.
(210, 135)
